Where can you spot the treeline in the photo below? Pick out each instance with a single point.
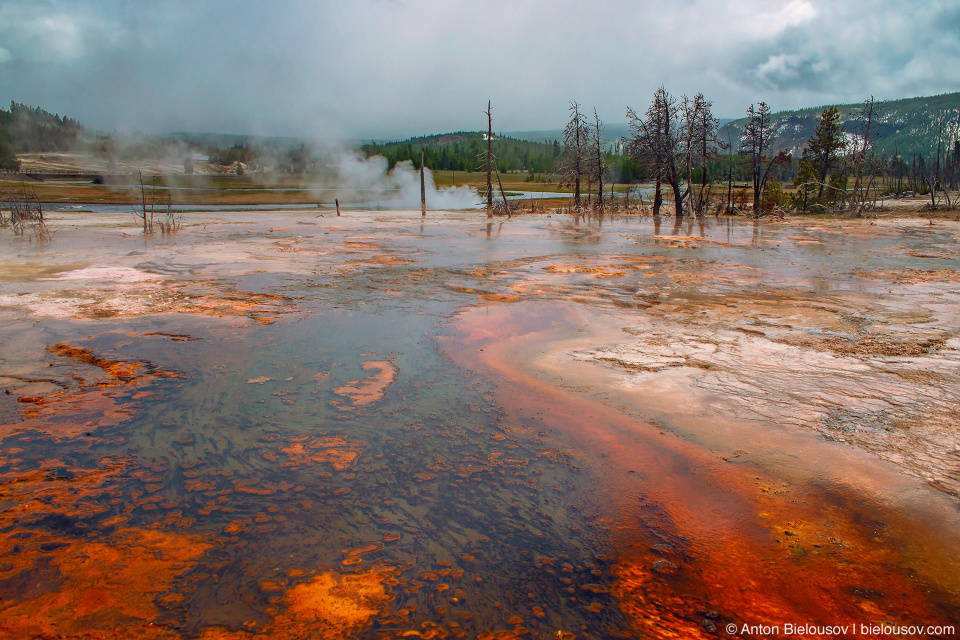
(32, 129)
(8, 155)
(676, 144)
(839, 168)
(25, 129)
(464, 151)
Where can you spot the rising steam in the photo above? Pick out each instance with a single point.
(367, 180)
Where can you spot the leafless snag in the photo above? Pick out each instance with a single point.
(169, 224)
(571, 164)
(862, 157)
(499, 207)
(932, 175)
(22, 211)
(503, 196)
(755, 142)
(142, 214)
(654, 143)
(728, 147)
(951, 156)
(423, 189)
(698, 144)
(598, 165)
(489, 161)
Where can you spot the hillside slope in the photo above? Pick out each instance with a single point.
(906, 127)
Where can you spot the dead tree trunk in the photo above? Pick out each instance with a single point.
(729, 175)
(337, 201)
(506, 205)
(861, 152)
(143, 201)
(677, 195)
(704, 194)
(423, 189)
(489, 162)
(657, 198)
(655, 143)
(575, 160)
(599, 164)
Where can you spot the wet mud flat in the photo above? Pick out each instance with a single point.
(293, 425)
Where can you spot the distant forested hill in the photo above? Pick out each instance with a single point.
(8, 157)
(463, 151)
(612, 133)
(906, 127)
(32, 129)
(26, 129)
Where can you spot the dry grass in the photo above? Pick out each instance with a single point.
(227, 189)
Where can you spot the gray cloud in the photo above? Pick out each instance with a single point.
(380, 68)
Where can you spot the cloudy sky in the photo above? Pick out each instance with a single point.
(392, 68)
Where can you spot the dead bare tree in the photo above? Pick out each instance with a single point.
(489, 161)
(654, 143)
(728, 147)
(862, 155)
(168, 224)
(171, 223)
(503, 196)
(598, 165)
(933, 175)
(501, 206)
(22, 211)
(571, 164)
(147, 221)
(755, 141)
(698, 144)
(951, 156)
(423, 189)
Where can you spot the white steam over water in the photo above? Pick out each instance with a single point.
(369, 181)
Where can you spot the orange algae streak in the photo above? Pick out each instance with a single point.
(30, 496)
(79, 587)
(330, 605)
(339, 452)
(372, 388)
(104, 585)
(742, 555)
(113, 368)
(91, 404)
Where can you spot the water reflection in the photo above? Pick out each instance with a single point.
(297, 464)
(314, 462)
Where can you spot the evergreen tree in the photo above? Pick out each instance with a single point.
(824, 148)
(805, 183)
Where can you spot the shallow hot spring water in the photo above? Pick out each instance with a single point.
(293, 426)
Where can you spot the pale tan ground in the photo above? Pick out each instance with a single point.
(82, 163)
